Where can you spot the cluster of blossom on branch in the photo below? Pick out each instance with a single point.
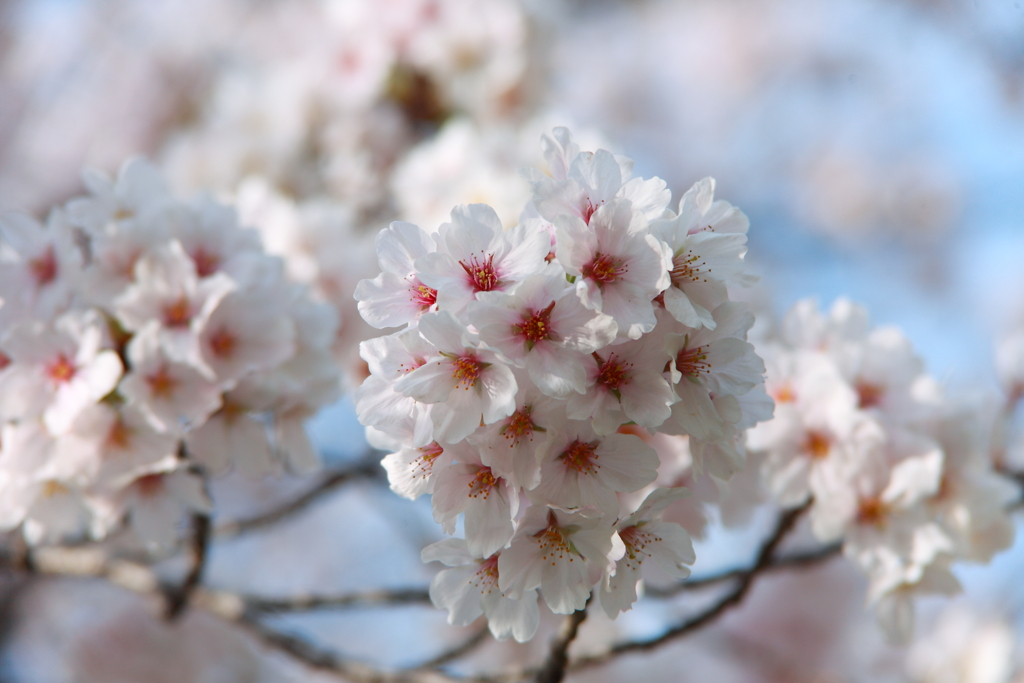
(898, 471)
(526, 358)
(145, 340)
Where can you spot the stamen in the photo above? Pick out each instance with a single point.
(869, 395)
(520, 427)
(603, 269)
(150, 485)
(223, 343)
(693, 362)
(206, 263)
(467, 371)
(161, 383)
(61, 370)
(687, 267)
(817, 445)
(536, 327)
(44, 268)
(420, 294)
(872, 511)
(482, 484)
(636, 541)
(424, 465)
(483, 276)
(612, 373)
(581, 457)
(178, 313)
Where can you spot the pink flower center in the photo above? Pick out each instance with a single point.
(483, 276)
(206, 263)
(482, 484)
(520, 426)
(685, 268)
(161, 383)
(869, 395)
(223, 343)
(693, 362)
(636, 541)
(119, 436)
(5, 360)
(603, 269)
(552, 543)
(486, 576)
(466, 371)
(536, 327)
(581, 457)
(424, 465)
(178, 313)
(817, 445)
(150, 485)
(612, 373)
(61, 370)
(44, 268)
(421, 295)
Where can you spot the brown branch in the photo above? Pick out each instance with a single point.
(734, 597)
(368, 468)
(307, 603)
(93, 562)
(178, 596)
(553, 669)
(458, 651)
(802, 559)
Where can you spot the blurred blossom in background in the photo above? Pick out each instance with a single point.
(877, 147)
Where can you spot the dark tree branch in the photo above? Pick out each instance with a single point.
(198, 548)
(734, 597)
(458, 651)
(553, 669)
(370, 598)
(367, 468)
(802, 559)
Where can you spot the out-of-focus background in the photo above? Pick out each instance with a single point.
(877, 147)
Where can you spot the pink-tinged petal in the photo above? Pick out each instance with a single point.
(453, 590)
(631, 308)
(451, 552)
(388, 301)
(489, 525)
(599, 172)
(556, 372)
(519, 568)
(627, 463)
(432, 382)
(399, 245)
(647, 399)
(518, 618)
(497, 386)
(445, 332)
(456, 418)
(694, 413)
(648, 196)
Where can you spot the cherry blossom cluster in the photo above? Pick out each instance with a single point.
(144, 340)
(902, 474)
(527, 359)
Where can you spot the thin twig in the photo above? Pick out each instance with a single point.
(319, 658)
(802, 559)
(367, 468)
(92, 562)
(553, 669)
(178, 596)
(458, 651)
(731, 599)
(307, 603)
